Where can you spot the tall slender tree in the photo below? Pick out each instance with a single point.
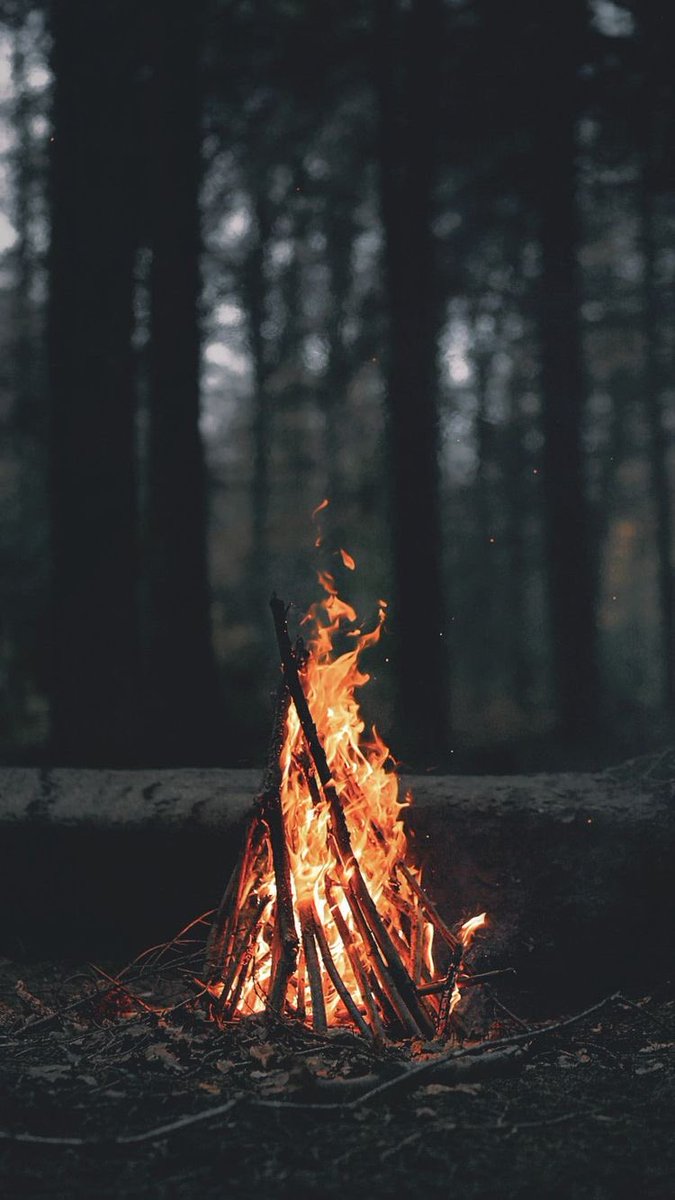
(254, 279)
(408, 55)
(655, 115)
(566, 511)
(25, 379)
(339, 225)
(180, 673)
(94, 551)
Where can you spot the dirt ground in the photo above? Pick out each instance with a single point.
(90, 1080)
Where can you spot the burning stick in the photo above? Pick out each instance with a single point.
(428, 907)
(242, 952)
(449, 993)
(380, 968)
(416, 950)
(313, 968)
(270, 808)
(224, 928)
(334, 976)
(417, 1020)
(328, 817)
(355, 962)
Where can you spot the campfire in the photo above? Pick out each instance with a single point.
(325, 919)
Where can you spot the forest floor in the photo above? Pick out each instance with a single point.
(103, 1097)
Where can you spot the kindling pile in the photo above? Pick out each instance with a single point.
(325, 919)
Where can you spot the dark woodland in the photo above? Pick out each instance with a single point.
(415, 256)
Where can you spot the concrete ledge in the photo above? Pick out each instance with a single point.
(576, 871)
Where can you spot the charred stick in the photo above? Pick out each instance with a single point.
(313, 969)
(445, 1006)
(413, 945)
(223, 929)
(466, 980)
(301, 979)
(239, 987)
(357, 966)
(434, 989)
(272, 776)
(428, 907)
(305, 764)
(404, 907)
(399, 975)
(271, 811)
(395, 974)
(376, 960)
(276, 960)
(416, 947)
(335, 978)
(502, 1007)
(242, 947)
(219, 931)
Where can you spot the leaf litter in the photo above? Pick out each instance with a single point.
(80, 1061)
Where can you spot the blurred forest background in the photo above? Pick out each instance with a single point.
(417, 256)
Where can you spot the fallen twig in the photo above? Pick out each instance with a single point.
(482, 1053)
(644, 1012)
(441, 1070)
(122, 988)
(130, 1139)
(502, 1007)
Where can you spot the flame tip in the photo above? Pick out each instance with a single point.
(347, 559)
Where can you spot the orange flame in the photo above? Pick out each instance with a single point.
(362, 768)
(470, 927)
(347, 560)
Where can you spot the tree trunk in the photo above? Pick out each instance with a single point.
(484, 573)
(567, 517)
(339, 226)
(655, 121)
(407, 154)
(254, 290)
(25, 414)
(658, 441)
(517, 510)
(94, 559)
(179, 665)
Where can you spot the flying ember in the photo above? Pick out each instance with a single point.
(325, 919)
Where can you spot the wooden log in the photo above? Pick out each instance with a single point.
(599, 850)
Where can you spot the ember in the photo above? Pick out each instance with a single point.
(325, 919)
